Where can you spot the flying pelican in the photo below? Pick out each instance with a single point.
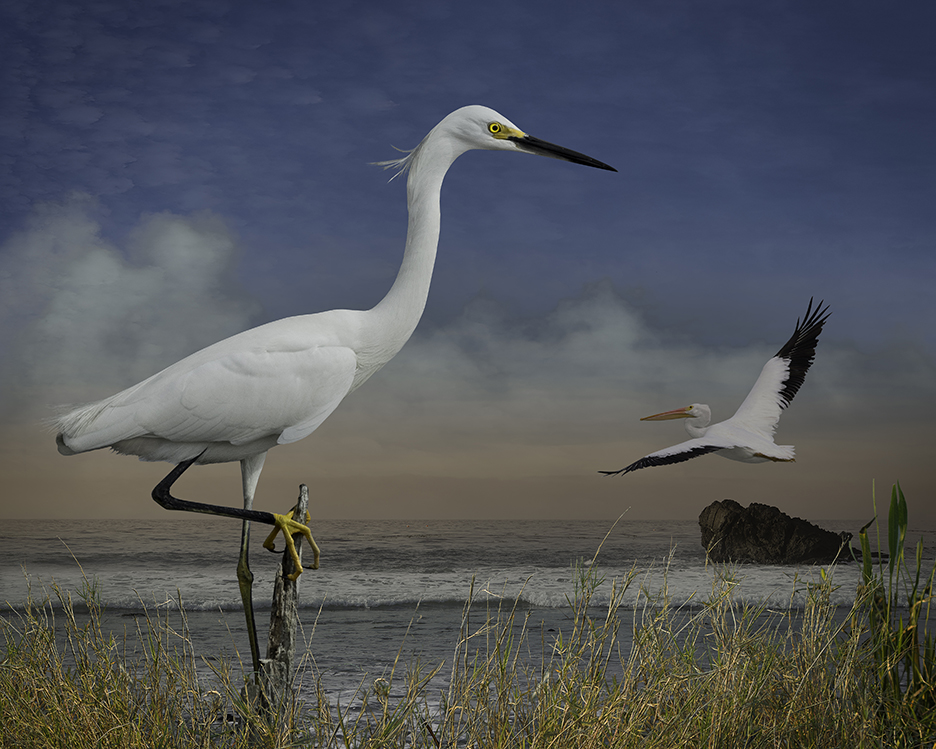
(748, 435)
(277, 383)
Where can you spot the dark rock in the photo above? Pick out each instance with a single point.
(763, 535)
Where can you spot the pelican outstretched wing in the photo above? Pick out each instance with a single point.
(675, 454)
(783, 374)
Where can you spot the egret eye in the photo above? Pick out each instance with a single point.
(495, 128)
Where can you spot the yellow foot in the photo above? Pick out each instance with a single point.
(288, 526)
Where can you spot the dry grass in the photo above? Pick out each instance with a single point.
(717, 675)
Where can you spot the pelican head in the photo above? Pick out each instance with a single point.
(695, 411)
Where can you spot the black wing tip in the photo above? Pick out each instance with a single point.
(817, 317)
(665, 460)
(806, 335)
(621, 471)
(800, 349)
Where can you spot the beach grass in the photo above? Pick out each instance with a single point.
(717, 674)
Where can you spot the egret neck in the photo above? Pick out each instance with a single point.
(395, 317)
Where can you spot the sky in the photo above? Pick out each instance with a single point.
(173, 172)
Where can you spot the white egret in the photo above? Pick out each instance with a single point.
(277, 383)
(748, 436)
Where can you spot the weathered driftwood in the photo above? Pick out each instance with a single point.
(276, 669)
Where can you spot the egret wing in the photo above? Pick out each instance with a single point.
(236, 398)
(253, 395)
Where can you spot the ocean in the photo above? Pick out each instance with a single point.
(385, 588)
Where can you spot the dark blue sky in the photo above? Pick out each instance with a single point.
(174, 172)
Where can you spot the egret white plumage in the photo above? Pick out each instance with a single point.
(748, 436)
(276, 383)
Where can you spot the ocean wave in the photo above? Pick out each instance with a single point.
(554, 588)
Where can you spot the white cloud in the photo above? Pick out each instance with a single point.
(81, 318)
(486, 394)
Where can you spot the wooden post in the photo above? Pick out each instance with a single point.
(276, 668)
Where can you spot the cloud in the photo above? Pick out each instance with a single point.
(82, 318)
(517, 411)
(496, 396)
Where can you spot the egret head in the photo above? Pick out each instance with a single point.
(481, 128)
(695, 411)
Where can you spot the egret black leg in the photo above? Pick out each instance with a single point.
(165, 499)
(245, 583)
(283, 523)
